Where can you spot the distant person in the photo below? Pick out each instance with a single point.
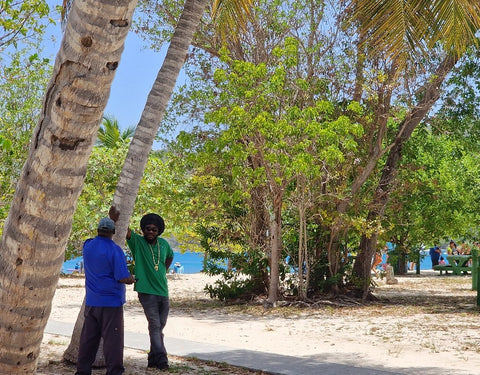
(384, 256)
(153, 256)
(377, 260)
(106, 274)
(178, 268)
(442, 261)
(435, 255)
(453, 250)
(464, 249)
(411, 265)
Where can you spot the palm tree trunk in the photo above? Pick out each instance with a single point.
(147, 128)
(40, 218)
(157, 101)
(430, 94)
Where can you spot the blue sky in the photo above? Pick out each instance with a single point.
(133, 80)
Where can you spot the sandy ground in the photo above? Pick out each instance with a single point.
(424, 324)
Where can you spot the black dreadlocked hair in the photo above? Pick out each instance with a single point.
(154, 219)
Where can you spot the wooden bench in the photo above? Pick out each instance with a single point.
(443, 268)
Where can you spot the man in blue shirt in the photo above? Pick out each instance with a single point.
(435, 255)
(106, 274)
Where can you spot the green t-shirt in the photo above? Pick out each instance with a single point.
(150, 267)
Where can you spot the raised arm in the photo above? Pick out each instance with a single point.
(114, 214)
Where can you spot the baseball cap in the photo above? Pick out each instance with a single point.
(106, 224)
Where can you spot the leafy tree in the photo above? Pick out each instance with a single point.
(435, 195)
(428, 95)
(324, 71)
(157, 101)
(270, 138)
(23, 77)
(423, 24)
(21, 21)
(22, 83)
(393, 100)
(103, 169)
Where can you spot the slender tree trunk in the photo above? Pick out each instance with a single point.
(302, 241)
(430, 94)
(259, 229)
(40, 218)
(259, 219)
(152, 115)
(147, 128)
(335, 256)
(276, 249)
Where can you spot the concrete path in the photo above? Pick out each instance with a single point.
(268, 362)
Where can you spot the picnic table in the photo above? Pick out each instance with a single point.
(459, 263)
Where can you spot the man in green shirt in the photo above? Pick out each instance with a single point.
(153, 256)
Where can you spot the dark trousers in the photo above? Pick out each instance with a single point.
(106, 323)
(156, 310)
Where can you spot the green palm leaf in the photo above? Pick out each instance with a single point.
(400, 27)
(110, 136)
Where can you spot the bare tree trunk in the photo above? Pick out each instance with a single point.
(335, 255)
(259, 228)
(276, 249)
(302, 242)
(40, 218)
(430, 94)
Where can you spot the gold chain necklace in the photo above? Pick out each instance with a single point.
(155, 265)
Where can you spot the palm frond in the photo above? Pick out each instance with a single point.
(400, 27)
(110, 136)
(455, 23)
(230, 16)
